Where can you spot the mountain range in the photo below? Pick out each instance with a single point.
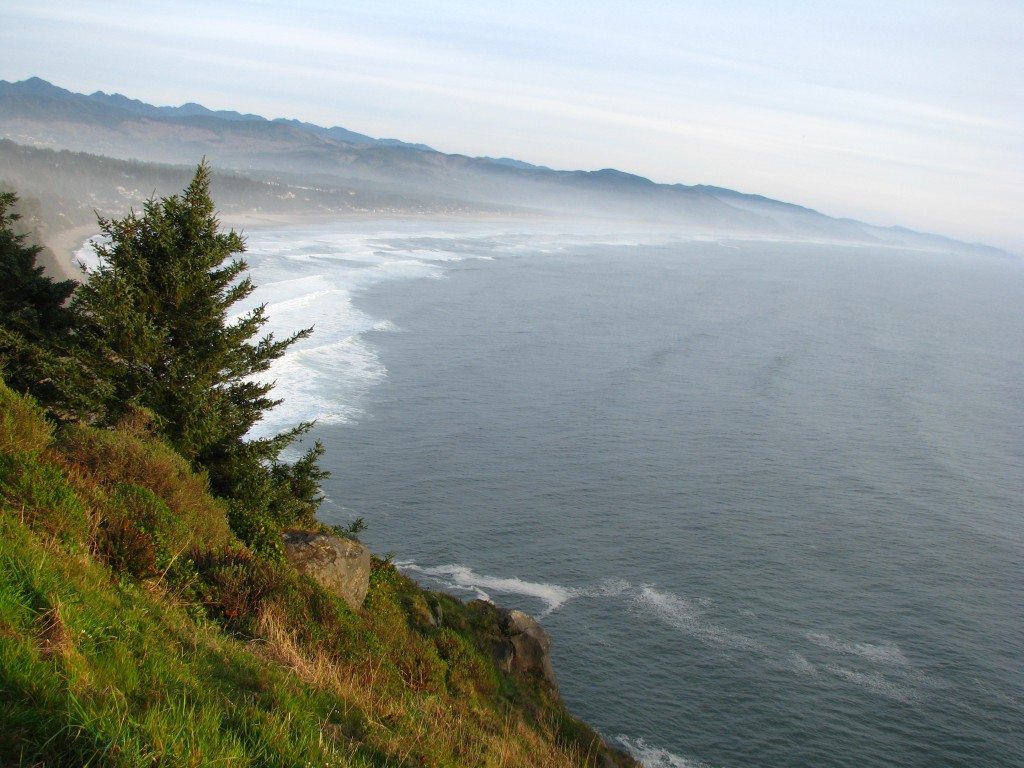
(54, 143)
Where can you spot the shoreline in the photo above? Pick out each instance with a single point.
(58, 255)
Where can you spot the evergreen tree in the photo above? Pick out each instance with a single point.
(35, 321)
(31, 302)
(156, 315)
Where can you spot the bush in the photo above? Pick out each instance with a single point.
(145, 480)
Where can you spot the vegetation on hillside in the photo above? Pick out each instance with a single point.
(154, 318)
(149, 337)
(146, 616)
(36, 322)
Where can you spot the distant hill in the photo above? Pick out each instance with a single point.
(336, 170)
(62, 190)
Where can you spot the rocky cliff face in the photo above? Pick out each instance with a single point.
(525, 649)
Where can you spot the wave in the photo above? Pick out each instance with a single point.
(304, 301)
(656, 757)
(288, 286)
(885, 653)
(326, 383)
(801, 665)
(689, 618)
(85, 257)
(888, 672)
(310, 277)
(464, 579)
(875, 682)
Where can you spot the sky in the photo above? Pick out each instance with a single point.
(901, 112)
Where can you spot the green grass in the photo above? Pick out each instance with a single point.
(136, 630)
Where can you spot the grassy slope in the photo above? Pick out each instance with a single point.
(135, 630)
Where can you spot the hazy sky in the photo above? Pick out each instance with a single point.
(897, 112)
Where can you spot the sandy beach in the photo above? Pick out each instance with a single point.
(58, 256)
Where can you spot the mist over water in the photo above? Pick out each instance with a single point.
(766, 496)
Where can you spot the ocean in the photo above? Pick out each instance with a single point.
(766, 496)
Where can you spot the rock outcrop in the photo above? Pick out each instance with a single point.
(525, 648)
(338, 564)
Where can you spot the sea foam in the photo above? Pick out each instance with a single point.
(880, 653)
(689, 617)
(309, 278)
(464, 579)
(876, 683)
(656, 757)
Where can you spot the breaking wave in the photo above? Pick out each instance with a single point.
(656, 757)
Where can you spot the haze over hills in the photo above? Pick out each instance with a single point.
(289, 167)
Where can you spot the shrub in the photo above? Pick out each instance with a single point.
(143, 477)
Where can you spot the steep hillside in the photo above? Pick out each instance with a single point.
(135, 630)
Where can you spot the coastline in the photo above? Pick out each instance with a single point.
(58, 260)
(58, 255)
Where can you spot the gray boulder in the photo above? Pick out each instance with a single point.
(525, 648)
(338, 564)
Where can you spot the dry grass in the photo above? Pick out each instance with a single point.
(421, 729)
(54, 639)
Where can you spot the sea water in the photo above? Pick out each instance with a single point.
(765, 495)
